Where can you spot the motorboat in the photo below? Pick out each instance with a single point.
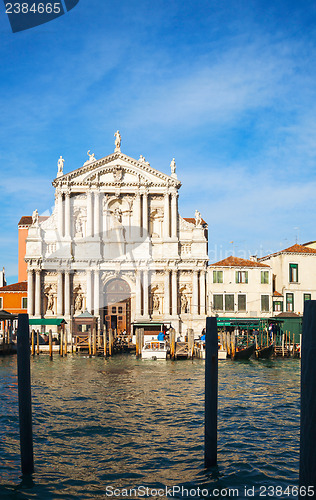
(154, 349)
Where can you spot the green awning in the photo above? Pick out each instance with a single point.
(139, 325)
(48, 321)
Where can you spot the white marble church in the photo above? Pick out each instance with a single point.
(116, 245)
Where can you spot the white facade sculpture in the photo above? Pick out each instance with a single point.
(117, 136)
(119, 243)
(60, 165)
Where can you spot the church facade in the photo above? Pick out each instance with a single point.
(115, 245)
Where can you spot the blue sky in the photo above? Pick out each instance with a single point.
(225, 87)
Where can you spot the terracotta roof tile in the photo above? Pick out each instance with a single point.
(15, 287)
(192, 220)
(237, 262)
(293, 249)
(277, 294)
(26, 220)
(288, 315)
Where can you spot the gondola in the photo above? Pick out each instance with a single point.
(265, 352)
(244, 353)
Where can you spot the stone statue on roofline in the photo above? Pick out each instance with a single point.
(35, 218)
(173, 168)
(117, 136)
(198, 219)
(60, 165)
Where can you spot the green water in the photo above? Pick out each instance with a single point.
(104, 426)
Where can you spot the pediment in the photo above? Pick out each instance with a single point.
(116, 169)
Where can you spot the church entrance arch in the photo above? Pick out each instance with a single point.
(117, 306)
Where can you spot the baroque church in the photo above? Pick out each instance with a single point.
(116, 246)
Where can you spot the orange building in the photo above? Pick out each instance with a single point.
(23, 225)
(13, 298)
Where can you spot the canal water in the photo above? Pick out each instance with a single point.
(103, 427)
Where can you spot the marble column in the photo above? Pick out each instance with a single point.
(138, 214)
(37, 292)
(145, 214)
(166, 220)
(59, 293)
(89, 214)
(97, 214)
(174, 292)
(174, 215)
(145, 293)
(138, 293)
(67, 215)
(167, 293)
(202, 292)
(96, 292)
(195, 294)
(67, 293)
(60, 214)
(30, 293)
(89, 290)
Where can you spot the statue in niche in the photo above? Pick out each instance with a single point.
(156, 303)
(78, 226)
(118, 215)
(117, 136)
(78, 302)
(184, 304)
(50, 302)
(198, 219)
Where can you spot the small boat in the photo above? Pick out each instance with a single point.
(244, 353)
(154, 349)
(265, 352)
(222, 354)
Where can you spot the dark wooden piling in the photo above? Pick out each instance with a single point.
(50, 343)
(307, 476)
(24, 394)
(211, 392)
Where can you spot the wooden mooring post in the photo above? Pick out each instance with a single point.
(211, 392)
(90, 343)
(307, 476)
(24, 395)
(190, 343)
(172, 340)
(110, 341)
(94, 340)
(50, 343)
(37, 343)
(65, 341)
(104, 341)
(33, 343)
(61, 345)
